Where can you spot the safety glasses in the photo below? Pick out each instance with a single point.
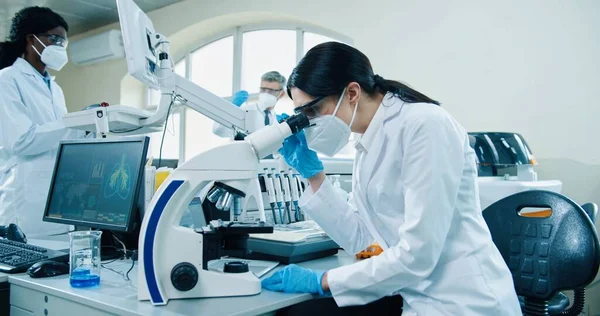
(309, 109)
(56, 39)
(274, 92)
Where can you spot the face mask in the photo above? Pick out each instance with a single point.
(54, 57)
(266, 100)
(330, 134)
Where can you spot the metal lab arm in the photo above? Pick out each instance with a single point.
(198, 99)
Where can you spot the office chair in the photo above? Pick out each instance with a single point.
(545, 255)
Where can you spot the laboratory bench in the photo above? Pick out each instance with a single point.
(116, 296)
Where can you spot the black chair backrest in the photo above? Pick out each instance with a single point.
(545, 255)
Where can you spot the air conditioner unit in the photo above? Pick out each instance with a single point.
(98, 48)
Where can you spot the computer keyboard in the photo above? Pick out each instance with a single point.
(17, 257)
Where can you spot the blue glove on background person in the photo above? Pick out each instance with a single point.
(281, 117)
(239, 98)
(297, 155)
(295, 279)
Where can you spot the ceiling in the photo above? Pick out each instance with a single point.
(81, 15)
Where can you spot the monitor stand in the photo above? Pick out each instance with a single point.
(112, 249)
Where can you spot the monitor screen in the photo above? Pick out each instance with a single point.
(97, 183)
(137, 31)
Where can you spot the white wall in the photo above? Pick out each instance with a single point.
(524, 66)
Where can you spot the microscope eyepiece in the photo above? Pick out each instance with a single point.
(297, 122)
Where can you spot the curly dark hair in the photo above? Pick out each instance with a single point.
(31, 20)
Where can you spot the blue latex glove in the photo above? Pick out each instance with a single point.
(296, 153)
(281, 117)
(239, 97)
(295, 279)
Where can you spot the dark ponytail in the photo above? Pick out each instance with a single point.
(31, 20)
(9, 52)
(402, 91)
(329, 67)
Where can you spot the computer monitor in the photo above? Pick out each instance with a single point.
(99, 184)
(137, 30)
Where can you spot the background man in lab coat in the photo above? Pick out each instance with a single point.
(31, 109)
(271, 90)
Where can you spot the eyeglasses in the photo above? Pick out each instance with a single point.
(309, 109)
(270, 91)
(56, 39)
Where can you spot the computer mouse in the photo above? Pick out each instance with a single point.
(48, 268)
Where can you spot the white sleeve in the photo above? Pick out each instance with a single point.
(338, 218)
(224, 131)
(221, 130)
(20, 136)
(431, 172)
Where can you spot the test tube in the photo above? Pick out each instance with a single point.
(278, 194)
(270, 192)
(295, 194)
(287, 196)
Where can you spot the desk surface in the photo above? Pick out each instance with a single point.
(117, 296)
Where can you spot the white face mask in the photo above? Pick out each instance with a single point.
(54, 57)
(330, 133)
(266, 100)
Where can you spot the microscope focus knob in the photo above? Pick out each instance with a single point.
(184, 276)
(236, 267)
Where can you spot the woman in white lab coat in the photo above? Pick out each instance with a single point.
(414, 192)
(31, 108)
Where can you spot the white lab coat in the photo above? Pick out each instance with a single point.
(30, 130)
(257, 121)
(415, 193)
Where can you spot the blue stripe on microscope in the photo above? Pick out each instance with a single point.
(149, 240)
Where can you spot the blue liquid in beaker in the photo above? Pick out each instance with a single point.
(83, 278)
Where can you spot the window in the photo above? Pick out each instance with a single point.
(311, 40)
(228, 63)
(265, 51)
(212, 66)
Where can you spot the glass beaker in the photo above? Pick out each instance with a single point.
(84, 257)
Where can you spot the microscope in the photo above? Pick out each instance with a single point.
(173, 260)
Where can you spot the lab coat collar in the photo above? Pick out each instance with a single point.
(390, 105)
(28, 69)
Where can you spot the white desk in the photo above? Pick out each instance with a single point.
(115, 296)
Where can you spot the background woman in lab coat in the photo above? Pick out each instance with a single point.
(31, 108)
(414, 192)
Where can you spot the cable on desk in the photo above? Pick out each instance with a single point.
(130, 268)
(122, 244)
(134, 258)
(111, 261)
(115, 271)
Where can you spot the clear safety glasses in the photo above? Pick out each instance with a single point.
(274, 92)
(56, 39)
(310, 109)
